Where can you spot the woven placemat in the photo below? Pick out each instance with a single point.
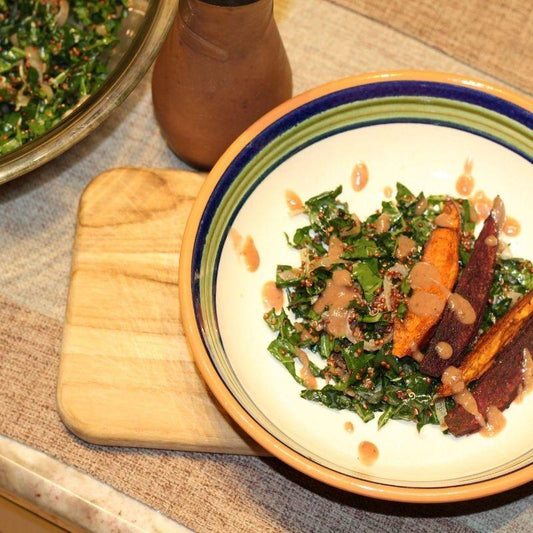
(324, 40)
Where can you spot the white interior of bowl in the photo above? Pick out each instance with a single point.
(426, 158)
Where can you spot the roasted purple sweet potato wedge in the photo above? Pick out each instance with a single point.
(474, 287)
(501, 334)
(498, 387)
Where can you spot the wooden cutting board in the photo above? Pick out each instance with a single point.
(126, 376)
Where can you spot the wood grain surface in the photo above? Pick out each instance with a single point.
(126, 376)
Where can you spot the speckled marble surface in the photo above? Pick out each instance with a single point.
(63, 491)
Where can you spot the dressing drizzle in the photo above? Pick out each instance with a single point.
(368, 452)
(359, 176)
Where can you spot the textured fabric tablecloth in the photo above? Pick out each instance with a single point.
(325, 39)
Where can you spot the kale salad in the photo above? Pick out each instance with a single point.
(53, 55)
(338, 345)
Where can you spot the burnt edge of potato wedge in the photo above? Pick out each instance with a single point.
(474, 286)
(482, 356)
(498, 386)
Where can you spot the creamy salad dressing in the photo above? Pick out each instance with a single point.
(236, 239)
(332, 257)
(250, 254)
(368, 452)
(338, 294)
(511, 227)
(359, 176)
(222, 66)
(482, 205)
(453, 378)
(246, 248)
(495, 422)
(462, 308)
(498, 212)
(444, 350)
(272, 296)
(426, 304)
(305, 372)
(294, 203)
(491, 240)
(416, 354)
(405, 247)
(426, 276)
(465, 182)
(464, 185)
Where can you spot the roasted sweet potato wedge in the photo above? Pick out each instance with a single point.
(482, 356)
(498, 387)
(441, 253)
(474, 287)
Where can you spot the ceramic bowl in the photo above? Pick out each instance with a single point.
(141, 35)
(418, 128)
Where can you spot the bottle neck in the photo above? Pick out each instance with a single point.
(228, 24)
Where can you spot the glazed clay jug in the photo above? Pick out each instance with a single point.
(222, 66)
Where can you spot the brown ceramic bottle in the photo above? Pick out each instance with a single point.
(222, 66)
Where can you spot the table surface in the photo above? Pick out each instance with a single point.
(95, 487)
